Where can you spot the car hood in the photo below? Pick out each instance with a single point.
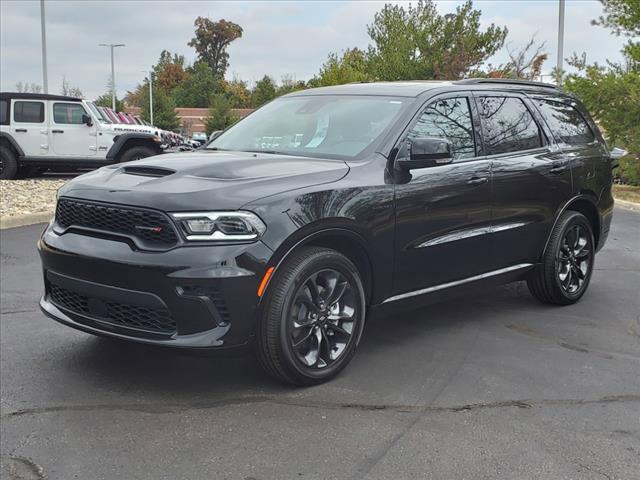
(202, 180)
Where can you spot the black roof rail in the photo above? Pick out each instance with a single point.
(504, 81)
(37, 96)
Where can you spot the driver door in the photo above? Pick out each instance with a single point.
(443, 212)
(70, 136)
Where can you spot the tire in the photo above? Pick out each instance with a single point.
(567, 264)
(136, 153)
(8, 164)
(294, 314)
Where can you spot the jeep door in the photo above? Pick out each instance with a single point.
(70, 136)
(443, 212)
(531, 180)
(29, 127)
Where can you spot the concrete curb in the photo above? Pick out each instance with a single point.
(24, 220)
(628, 205)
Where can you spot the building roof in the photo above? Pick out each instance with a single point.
(37, 96)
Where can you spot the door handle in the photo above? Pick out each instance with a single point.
(557, 168)
(24, 130)
(57, 131)
(477, 180)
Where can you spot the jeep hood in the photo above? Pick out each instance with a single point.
(202, 180)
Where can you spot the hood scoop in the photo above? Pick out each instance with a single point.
(148, 171)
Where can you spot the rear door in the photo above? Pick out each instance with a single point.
(29, 126)
(70, 136)
(443, 212)
(531, 179)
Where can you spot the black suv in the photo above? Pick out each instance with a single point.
(329, 205)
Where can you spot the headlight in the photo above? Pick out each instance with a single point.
(220, 226)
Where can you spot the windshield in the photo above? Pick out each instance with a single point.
(333, 126)
(97, 113)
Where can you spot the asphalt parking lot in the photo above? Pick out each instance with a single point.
(492, 386)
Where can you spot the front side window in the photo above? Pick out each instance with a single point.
(323, 126)
(4, 112)
(566, 122)
(28, 112)
(450, 119)
(507, 125)
(68, 113)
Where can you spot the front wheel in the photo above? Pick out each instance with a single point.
(567, 264)
(313, 318)
(137, 153)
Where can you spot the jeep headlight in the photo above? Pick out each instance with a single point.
(220, 226)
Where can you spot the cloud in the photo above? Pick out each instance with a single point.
(280, 38)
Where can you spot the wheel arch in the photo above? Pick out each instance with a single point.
(344, 240)
(130, 140)
(10, 142)
(586, 205)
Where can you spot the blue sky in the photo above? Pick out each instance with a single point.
(286, 38)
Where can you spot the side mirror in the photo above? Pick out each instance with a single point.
(214, 135)
(86, 119)
(427, 152)
(616, 154)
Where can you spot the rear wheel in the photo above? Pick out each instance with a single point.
(313, 318)
(567, 264)
(8, 164)
(137, 153)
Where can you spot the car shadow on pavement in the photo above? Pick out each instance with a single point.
(130, 367)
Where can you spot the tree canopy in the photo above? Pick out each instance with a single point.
(211, 42)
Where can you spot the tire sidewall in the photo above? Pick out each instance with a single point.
(575, 219)
(316, 263)
(9, 164)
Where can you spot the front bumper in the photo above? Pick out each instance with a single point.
(198, 297)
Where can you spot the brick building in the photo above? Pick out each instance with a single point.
(192, 119)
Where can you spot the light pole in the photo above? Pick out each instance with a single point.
(150, 72)
(45, 80)
(113, 73)
(560, 40)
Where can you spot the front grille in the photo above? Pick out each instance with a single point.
(153, 229)
(122, 314)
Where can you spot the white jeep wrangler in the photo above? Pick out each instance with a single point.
(53, 131)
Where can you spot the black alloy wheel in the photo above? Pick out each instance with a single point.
(322, 318)
(567, 263)
(313, 317)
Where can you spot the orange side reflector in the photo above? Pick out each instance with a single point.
(265, 280)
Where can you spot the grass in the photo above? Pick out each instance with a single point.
(627, 192)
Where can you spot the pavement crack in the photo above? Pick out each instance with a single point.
(10, 312)
(398, 408)
(23, 468)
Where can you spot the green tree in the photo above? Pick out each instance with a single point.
(352, 66)
(612, 92)
(211, 42)
(104, 100)
(169, 72)
(289, 84)
(164, 113)
(197, 88)
(237, 93)
(264, 91)
(417, 43)
(220, 115)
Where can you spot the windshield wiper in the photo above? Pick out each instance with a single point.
(273, 152)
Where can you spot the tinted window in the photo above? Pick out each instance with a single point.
(324, 126)
(28, 112)
(450, 119)
(507, 125)
(566, 122)
(4, 112)
(69, 113)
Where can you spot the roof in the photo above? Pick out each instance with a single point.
(37, 96)
(390, 89)
(415, 88)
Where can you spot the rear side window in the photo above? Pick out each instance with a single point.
(68, 113)
(4, 112)
(28, 112)
(566, 122)
(507, 125)
(450, 119)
